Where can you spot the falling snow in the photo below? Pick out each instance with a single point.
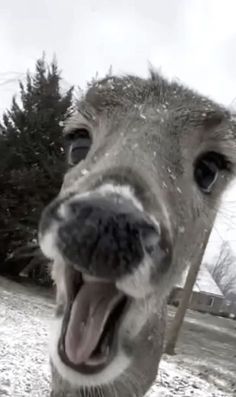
(84, 171)
(181, 229)
(143, 116)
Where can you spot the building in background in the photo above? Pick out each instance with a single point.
(206, 296)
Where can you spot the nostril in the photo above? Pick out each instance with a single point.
(79, 208)
(150, 237)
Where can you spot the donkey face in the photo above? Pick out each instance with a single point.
(148, 163)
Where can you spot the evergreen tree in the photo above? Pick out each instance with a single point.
(33, 128)
(31, 159)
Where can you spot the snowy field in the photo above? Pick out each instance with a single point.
(204, 367)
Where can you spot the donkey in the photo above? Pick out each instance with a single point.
(148, 161)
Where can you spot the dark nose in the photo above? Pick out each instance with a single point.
(108, 237)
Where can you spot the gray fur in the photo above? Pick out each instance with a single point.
(147, 133)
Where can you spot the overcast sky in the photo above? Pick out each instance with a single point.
(194, 40)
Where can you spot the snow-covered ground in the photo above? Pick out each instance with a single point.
(204, 367)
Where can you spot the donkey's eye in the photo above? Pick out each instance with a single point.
(78, 144)
(207, 169)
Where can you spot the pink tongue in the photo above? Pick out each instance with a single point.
(90, 310)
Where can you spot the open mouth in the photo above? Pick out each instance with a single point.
(91, 322)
